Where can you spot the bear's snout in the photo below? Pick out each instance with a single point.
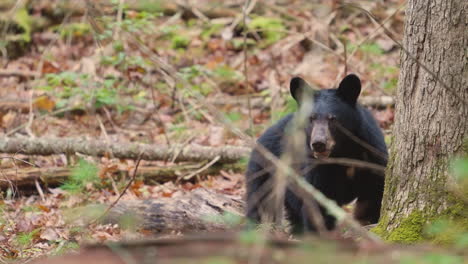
(319, 146)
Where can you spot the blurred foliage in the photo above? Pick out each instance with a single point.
(272, 29)
(24, 239)
(73, 30)
(76, 90)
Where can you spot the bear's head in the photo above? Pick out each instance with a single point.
(333, 117)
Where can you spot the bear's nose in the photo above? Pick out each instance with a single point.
(319, 146)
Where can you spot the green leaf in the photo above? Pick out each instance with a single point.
(271, 28)
(24, 21)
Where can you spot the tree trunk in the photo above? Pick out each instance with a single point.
(431, 121)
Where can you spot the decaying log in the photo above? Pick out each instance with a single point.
(26, 177)
(50, 146)
(186, 213)
(210, 9)
(18, 73)
(19, 106)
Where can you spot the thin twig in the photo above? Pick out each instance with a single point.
(30, 116)
(209, 164)
(122, 193)
(246, 75)
(118, 25)
(39, 190)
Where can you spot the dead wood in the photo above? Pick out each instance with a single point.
(186, 213)
(55, 9)
(20, 106)
(19, 73)
(131, 150)
(25, 178)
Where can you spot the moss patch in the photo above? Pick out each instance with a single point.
(410, 229)
(449, 228)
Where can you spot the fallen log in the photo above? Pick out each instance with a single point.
(25, 178)
(186, 213)
(55, 9)
(20, 106)
(131, 150)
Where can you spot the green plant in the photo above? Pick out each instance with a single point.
(26, 238)
(191, 74)
(22, 18)
(142, 21)
(371, 48)
(233, 116)
(272, 29)
(226, 73)
(68, 88)
(82, 174)
(73, 30)
(179, 42)
(210, 30)
(64, 247)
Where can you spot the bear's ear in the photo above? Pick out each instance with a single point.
(297, 87)
(350, 88)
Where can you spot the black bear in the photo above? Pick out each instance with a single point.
(337, 127)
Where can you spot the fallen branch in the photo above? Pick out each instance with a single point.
(19, 73)
(78, 8)
(26, 178)
(50, 146)
(19, 106)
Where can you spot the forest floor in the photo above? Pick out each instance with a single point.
(74, 71)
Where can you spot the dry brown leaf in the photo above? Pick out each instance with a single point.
(24, 225)
(44, 102)
(8, 119)
(49, 234)
(43, 208)
(50, 67)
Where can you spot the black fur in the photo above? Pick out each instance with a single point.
(335, 108)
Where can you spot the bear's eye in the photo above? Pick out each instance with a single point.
(331, 117)
(313, 117)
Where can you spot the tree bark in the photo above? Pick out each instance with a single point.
(131, 150)
(25, 179)
(431, 122)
